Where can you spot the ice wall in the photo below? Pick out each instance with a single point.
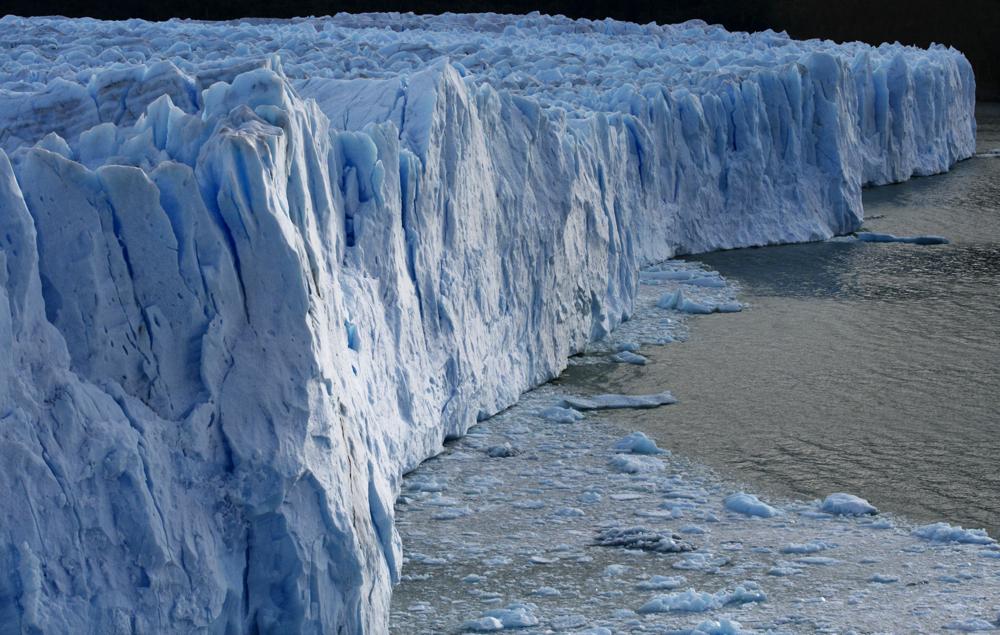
(253, 272)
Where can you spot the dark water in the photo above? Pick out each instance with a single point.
(867, 368)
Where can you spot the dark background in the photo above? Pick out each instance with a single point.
(973, 26)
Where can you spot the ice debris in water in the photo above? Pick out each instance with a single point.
(486, 624)
(641, 538)
(638, 443)
(699, 601)
(628, 357)
(808, 547)
(713, 627)
(842, 504)
(632, 464)
(749, 505)
(661, 583)
(943, 532)
(559, 414)
(872, 237)
(611, 401)
(677, 301)
(503, 451)
(971, 625)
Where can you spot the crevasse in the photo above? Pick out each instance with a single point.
(253, 272)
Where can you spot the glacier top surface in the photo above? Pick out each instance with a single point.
(580, 66)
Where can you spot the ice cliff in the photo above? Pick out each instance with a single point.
(252, 272)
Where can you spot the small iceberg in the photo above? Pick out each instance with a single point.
(613, 401)
(872, 237)
(642, 539)
(841, 504)
(560, 415)
(945, 533)
(692, 601)
(678, 302)
(749, 505)
(628, 357)
(661, 583)
(630, 464)
(638, 443)
(673, 275)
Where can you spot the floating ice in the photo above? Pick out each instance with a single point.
(501, 451)
(638, 443)
(678, 302)
(714, 282)
(630, 464)
(609, 402)
(846, 505)
(561, 415)
(971, 625)
(641, 538)
(516, 615)
(803, 548)
(720, 627)
(943, 532)
(483, 625)
(628, 357)
(871, 237)
(881, 578)
(749, 505)
(698, 601)
(661, 583)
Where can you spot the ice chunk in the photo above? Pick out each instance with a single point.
(486, 624)
(611, 401)
(720, 627)
(628, 357)
(516, 615)
(661, 583)
(641, 538)
(842, 504)
(804, 548)
(689, 601)
(871, 237)
(678, 302)
(714, 282)
(501, 451)
(630, 464)
(971, 625)
(943, 532)
(698, 601)
(882, 578)
(638, 443)
(749, 505)
(561, 415)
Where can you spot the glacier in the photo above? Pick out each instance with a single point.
(255, 271)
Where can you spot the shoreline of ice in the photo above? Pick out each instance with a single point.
(584, 530)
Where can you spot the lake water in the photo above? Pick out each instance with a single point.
(867, 368)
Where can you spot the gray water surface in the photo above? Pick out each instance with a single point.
(867, 368)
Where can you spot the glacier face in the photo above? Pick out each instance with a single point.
(254, 271)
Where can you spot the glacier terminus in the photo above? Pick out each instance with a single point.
(252, 272)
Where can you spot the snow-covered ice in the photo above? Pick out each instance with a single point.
(255, 271)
